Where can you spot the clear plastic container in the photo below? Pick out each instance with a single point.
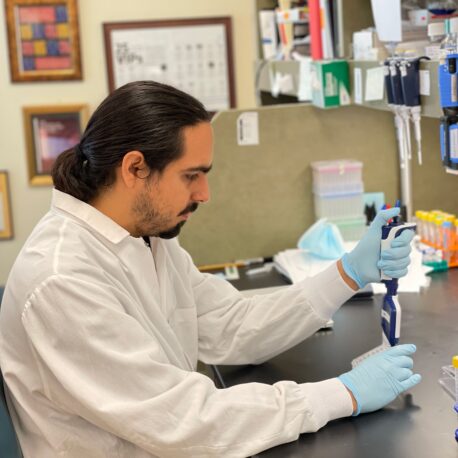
(339, 206)
(447, 380)
(337, 177)
(448, 241)
(352, 229)
(436, 32)
(454, 260)
(455, 371)
(419, 220)
(449, 43)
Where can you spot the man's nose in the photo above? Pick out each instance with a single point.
(201, 193)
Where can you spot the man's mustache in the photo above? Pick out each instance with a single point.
(191, 208)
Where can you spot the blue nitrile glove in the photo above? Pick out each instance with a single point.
(379, 379)
(364, 262)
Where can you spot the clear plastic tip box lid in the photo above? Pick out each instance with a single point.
(337, 177)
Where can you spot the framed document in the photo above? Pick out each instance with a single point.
(49, 131)
(194, 55)
(6, 223)
(43, 40)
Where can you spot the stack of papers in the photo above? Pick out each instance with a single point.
(298, 264)
(415, 279)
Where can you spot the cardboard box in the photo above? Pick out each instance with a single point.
(330, 83)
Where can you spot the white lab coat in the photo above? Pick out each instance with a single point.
(100, 337)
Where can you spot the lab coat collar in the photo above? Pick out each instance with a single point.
(89, 215)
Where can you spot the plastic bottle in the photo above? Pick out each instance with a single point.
(453, 29)
(455, 369)
(424, 238)
(431, 229)
(455, 245)
(436, 33)
(423, 231)
(447, 241)
(438, 239)
(419, 222)
(448, 44)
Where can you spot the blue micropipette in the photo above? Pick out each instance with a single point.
(391, 310)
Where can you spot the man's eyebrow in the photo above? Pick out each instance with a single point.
(200, 168)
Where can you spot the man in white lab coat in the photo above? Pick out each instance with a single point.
(105, 316)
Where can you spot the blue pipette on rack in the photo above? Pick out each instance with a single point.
(391, 309)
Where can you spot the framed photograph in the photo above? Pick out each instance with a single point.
(49, 131)
(194, 55)
(6, 222)
(43, 40)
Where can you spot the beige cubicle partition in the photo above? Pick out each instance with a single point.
(261, 196)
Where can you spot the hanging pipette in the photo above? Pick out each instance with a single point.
(398, 96)
(410, 79)
(396, 111)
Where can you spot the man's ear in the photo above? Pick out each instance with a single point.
(134, 168)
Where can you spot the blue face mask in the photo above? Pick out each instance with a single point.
(323, 240)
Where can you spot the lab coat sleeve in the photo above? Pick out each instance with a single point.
(238, 330)
(99, 363)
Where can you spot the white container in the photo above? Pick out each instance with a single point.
(436, 32)
(339, 206)
(352, 229)
(418, 17)
(337, 177)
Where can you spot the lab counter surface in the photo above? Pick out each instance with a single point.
(419, 424)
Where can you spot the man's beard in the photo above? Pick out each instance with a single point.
(151, 223)
(171, 233)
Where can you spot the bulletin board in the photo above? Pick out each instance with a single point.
(194, 55)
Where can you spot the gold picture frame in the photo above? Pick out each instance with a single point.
(6, 221)
(43, 40)
(50, 130)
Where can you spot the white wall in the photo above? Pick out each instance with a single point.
(30, 203)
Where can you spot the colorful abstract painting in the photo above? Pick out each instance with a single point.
(53, 134)
(43, 37)
(43, 40)
(50, 130)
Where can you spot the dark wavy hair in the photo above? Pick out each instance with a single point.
(141, 116)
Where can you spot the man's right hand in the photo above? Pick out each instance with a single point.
(379, 379)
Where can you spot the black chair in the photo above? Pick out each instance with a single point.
(9, 445)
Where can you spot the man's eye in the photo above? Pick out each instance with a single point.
(192, 176)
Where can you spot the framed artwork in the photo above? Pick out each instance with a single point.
(43, 40)
(6, 223)
(49, 131)
(194, 55)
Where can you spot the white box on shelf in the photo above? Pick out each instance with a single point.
(351, 229)
(334, 177)
(339, 205)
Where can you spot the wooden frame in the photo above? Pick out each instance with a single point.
(49, 131)
(173, 51)
(43, 40)
(6, 221)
